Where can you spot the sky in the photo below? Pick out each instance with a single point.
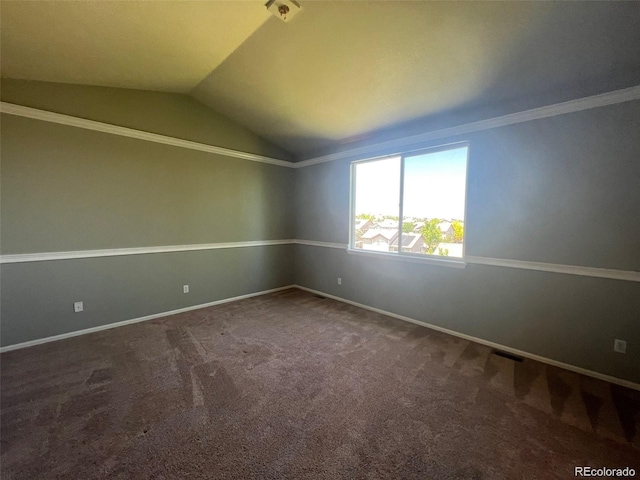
(434, 185)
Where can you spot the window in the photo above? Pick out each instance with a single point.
(411, 205)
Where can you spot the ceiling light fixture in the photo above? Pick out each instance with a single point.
(285, 10)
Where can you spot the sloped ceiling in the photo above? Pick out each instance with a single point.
(150, 45)
(339, 69)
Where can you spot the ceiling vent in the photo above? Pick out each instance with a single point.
(285, 10)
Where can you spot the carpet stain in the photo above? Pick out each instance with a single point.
(100, 375)
(84, 403)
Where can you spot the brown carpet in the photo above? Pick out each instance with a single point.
(290, 385)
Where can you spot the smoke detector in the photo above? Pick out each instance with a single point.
(285, 10)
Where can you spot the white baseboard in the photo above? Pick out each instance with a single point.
(533, 356)
(548, 361)
(77, 333)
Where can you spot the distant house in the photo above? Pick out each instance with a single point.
(418, 226)
(447, 229)
(378, 239)
(411, 242)
(363, 224)
(387, 223)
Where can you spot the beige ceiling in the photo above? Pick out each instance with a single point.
(339, 69)
(342, 69)
(152, 45)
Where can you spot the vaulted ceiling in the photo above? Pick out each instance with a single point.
(155, 45)
(339, 69)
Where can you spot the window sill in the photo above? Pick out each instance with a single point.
(407, 257)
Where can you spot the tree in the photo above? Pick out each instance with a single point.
(365, 216)
(432, 234)
(458, 231)
(407, 227)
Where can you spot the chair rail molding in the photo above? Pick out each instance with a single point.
(627, 275)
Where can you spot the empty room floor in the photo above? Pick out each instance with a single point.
(292, 385)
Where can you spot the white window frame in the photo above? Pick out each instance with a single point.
(455, 262)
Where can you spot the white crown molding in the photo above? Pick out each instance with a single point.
(626, 275)
(108, 326)
(586, 103)
(46, 116)
(116, 252)
(497, 346)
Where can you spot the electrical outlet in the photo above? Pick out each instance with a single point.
(185, 289)
(78, 307)
(619, 346)
(339, 281)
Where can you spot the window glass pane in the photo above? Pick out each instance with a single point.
(433, 203)
(377, 198)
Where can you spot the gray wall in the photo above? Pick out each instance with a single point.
(65, 189)
(169, 114)
(38, 297)
(560, 190)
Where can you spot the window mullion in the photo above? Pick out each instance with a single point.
(400, 205)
